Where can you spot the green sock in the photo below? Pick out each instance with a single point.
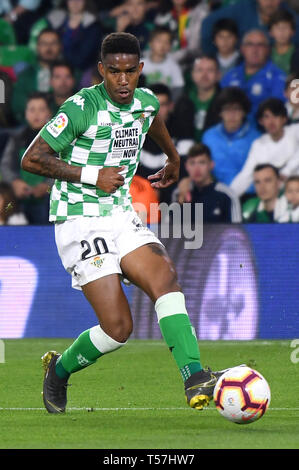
(180, 337)
(79, 355)
(178, 332)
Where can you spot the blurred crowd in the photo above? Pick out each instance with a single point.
(226, 74)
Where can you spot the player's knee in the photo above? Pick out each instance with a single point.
(167, 283)
(121, 331)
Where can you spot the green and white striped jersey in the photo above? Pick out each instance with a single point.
(91, 129)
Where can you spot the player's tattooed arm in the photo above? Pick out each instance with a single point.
(40, 159)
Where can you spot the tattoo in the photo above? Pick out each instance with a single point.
(161, 251)
(158, 249)
(40, 159)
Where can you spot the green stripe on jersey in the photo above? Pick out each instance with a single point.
(92, 130)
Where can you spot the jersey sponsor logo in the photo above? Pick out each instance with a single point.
(111, 124)
(125, 143)
(58, 125)
(78, 100)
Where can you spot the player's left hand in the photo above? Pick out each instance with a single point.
(168, 175)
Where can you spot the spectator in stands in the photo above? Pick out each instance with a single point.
(145, 200)
(32, 191)
(159, 66)
(230, 140)
(21, 14)
(79, 30)
(6, 116)
(7, 33)
(220, 204)
(9, 210)
(15, 58)
(248, 14)
(62, 84)
(132, 18)
(257, 75)
(7, 120)
(225, 36)
(278, 146)
(292, 95)
(284, 53)
(269, 203)
(184, 18)
(199, 100)
(291, 212)
(179, 123)
(37, 77)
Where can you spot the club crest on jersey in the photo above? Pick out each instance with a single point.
(97, 261)
(58, 125)
(142, 118)
(257, 89)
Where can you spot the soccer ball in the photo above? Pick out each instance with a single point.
(242, 395)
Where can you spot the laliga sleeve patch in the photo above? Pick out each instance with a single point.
(58, 125)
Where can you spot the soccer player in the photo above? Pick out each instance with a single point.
(98, 134)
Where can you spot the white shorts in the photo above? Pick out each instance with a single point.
(92, 247)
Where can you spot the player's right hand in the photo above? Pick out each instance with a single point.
(109, 179)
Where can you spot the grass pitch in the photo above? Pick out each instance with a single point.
(134, 399)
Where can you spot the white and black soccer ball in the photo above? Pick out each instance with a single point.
(242, 395)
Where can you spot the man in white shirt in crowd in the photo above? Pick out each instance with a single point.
(278, 146)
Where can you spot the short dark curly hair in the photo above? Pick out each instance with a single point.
(233, 95)
(120, 42)
(283, 16)
(263, 166)
(274, 105)
(226, 24)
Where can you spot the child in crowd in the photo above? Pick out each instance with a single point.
(291, 213)
(31, 191)
(231, 139)
(226, 37)
(292, 95)
(220, 204)
(284, 53)
(278, 146)
(159, 66)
